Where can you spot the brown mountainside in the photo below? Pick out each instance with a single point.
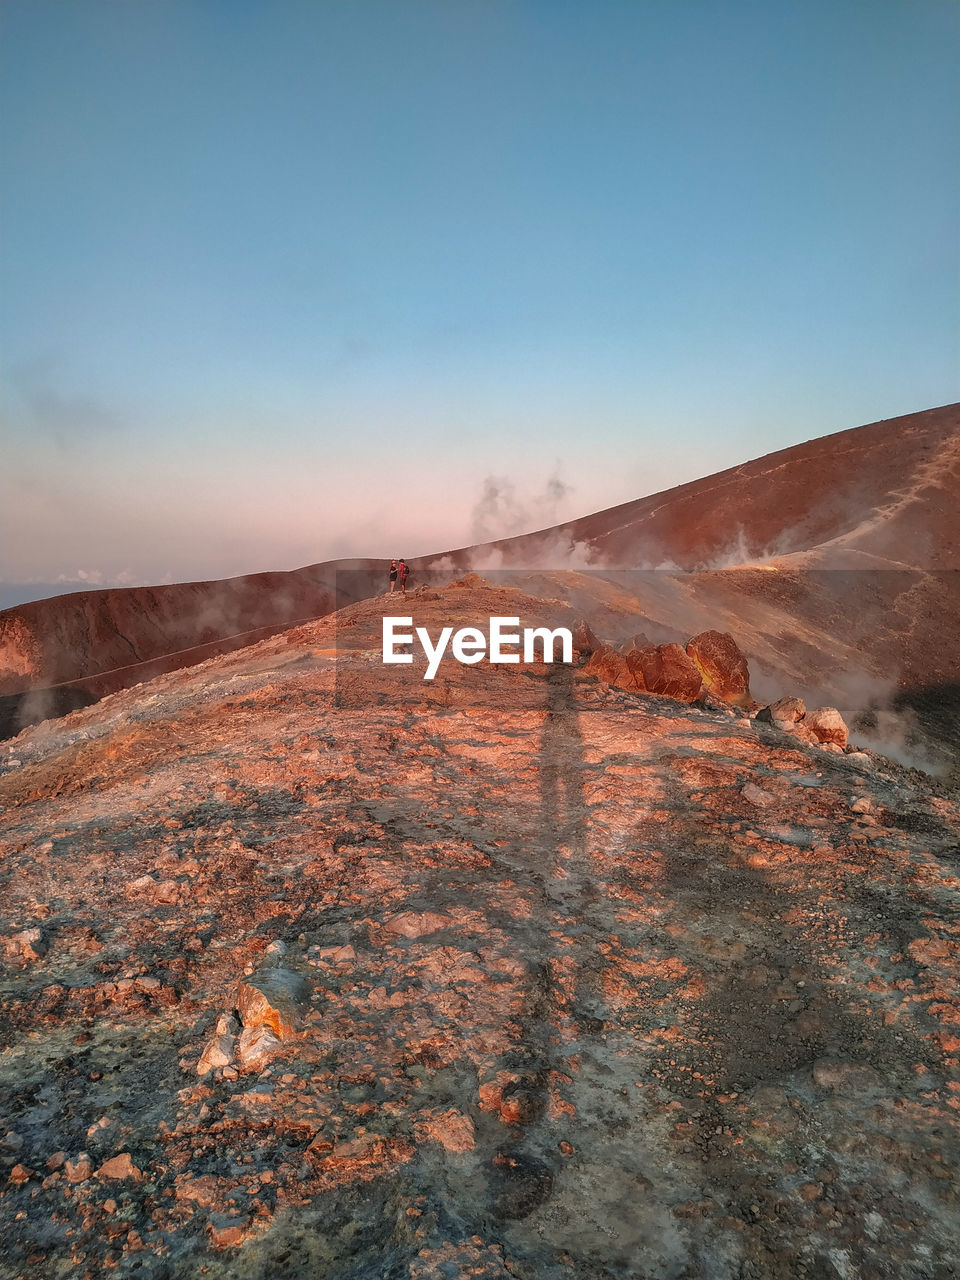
(882, 493)
(834, 562)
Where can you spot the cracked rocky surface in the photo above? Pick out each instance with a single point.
(315, 968)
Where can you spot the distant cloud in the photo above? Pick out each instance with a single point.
(67, 417)
(96, 578)
(92, 576)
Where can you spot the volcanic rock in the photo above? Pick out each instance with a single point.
(847, 1078)
(80, 1169)
(665, 669)
(785, 711)
(827, 725)
(452, 1129)
(29, 944)
(217, 1052)
(723, 667)
(518, 1106)
(227, 1235)
(758, 796)
(274, 998)
(257, 1046)
(411, 924)
(610, 667)
(162, 892)
(274, 954)
(118, 1167)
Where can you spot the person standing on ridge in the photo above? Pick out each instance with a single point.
(393, 576)
(403, 569)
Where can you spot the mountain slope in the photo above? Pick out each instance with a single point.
(858, 535)
(887, 490)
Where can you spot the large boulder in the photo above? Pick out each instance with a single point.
(722, 665)
(666, 669)
(785, 711)
(827, 726)
(611, 667)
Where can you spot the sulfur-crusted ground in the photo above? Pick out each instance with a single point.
(567, 982)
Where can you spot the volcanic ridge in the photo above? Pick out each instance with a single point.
(834, 563)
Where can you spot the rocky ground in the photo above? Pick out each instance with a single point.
(314, 968)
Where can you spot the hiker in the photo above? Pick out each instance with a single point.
(393, 576)
(403, 569)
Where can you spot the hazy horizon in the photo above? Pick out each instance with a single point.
(503, 515)
(287, 283)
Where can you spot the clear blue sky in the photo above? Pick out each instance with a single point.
(289, 279)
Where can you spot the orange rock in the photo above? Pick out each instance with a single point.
(930, 950)
(584, 639)
(256, 1048)
(273, 998)
(452, 1129)
(228, 1237)
(827, 725)
(120, 1166)
(667, 670)
(490, 1095)
(784, 712)
(722, 665)
(79, 1170)
(218, 1052)
(518, 1107)
(610, 667)
(204, 1191)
